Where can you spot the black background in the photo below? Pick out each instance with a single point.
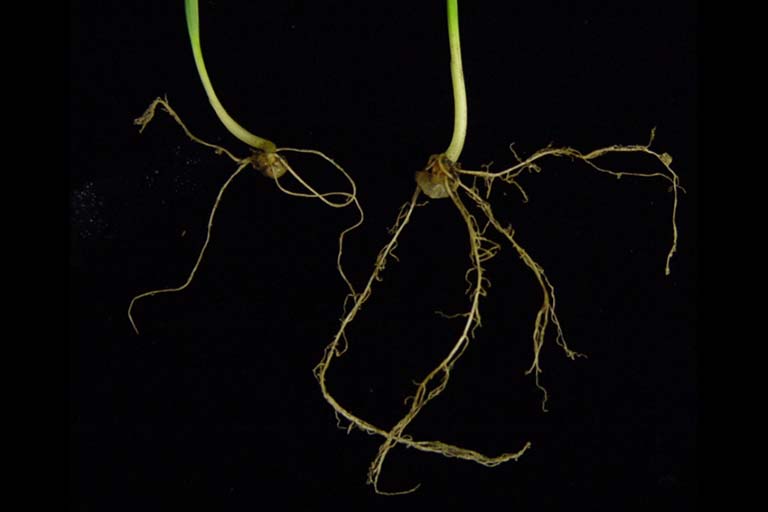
(216, 399)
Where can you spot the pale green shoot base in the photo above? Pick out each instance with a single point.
(442, 178)
(271, 165)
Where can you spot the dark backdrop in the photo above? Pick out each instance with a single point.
(216, 398)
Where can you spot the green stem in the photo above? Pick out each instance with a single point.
(193, 25)
(459, 88)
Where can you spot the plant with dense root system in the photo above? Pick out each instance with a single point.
(470, 192)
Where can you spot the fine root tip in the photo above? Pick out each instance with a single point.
(397, 493)
(135, 329)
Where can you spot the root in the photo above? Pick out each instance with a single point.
(199, 256)
(508, 175)
(271, 165)
(149, 114)
(432, 385)
(546, 312)
(442, 179)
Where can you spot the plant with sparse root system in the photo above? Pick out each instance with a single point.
(264, 156)
(470, 191)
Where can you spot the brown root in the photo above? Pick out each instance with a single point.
(272, 165)
(442, 178)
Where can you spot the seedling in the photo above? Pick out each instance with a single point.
(444, 178)
(264, 156)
